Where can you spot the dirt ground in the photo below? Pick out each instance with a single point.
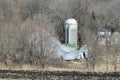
(56, 75)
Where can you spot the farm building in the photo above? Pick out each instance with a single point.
(71, 53)
(108, 38)
(71, 32)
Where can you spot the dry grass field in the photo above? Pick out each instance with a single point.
(67, 66)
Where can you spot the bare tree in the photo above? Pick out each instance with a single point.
(34, 43)
(91, 39)
(111, 26)
(5, 11)
(8, 44)
(115, 55)
(30, 8)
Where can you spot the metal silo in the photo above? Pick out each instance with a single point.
(71, 32)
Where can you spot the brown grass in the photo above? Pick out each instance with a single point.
(68, 66)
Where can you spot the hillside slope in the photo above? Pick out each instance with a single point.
(104, 6)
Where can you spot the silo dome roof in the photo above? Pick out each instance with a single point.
(71, 21)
